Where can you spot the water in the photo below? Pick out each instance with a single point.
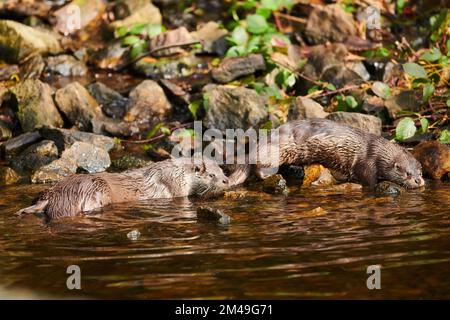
(275, 247)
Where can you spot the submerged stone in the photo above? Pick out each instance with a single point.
(205, 213)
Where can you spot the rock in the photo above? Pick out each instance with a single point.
(314, 172)
(234, 108)
(17, 144)
(35, 156)
(212, 38)
(141, 13)
(434, 157)
(113, 104)
(128, 162)
(88, 157)
(65, 138)
(214, 215)
(33, 67)
(404, 100)
(25, 8)
(133, 235)
(386, 188)
(361, 121)
(77, 14)
(5, 132)
(348, 186)
(374, 106)
(54, 171)
(148, 101)
(292, 173)
(8, 176)
(35, 105)
(79, 107)
(235, 67)
(316, 212)
(305, 108)
(7, 71)
(80, 155)
(233, 195)
(329, 23)
(18, 41)
(114, 56)
(66, 66)
(325, 179)
(334, 64)
(275, 184)
(171, 42)
(169, 67)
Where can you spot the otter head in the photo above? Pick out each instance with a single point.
(209, 179)
(405, 170)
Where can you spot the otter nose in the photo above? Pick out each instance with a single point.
(225, 181)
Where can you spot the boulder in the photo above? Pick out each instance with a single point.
(334, 64)
(361, 121)
(235, 67)
(205, 213)
(54, 171)
(234, 108)
(18, 41)
(17, 144)
(66, 66)
(128, 162)
(65, 138)
(169, 67)
(434, 157)
(329, 23)
(79, 107)
(212, 38)
(148, 101)
(140, 12)
(275, 184)
(8, 176)
(113, 104)
(77, 14)
(305, 108)
(316, 174)
(34, 157)
(35, 105)
(403, 100)
(33, 67)
(388, 188)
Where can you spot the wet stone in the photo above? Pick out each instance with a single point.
(275, 184)
(35, 156)
(15, 145)
(206, 213)
(305, 108)
(113, 104)
(128, 162)
(365, 122)
(66, 66)
(386, 188)
(292, 173)
(235, 67)
(8, 176)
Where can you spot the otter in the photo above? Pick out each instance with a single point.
(165, 179)
(360, 156)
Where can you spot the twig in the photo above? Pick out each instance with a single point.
(289, 17)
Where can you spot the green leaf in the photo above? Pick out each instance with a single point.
(130, 40)
(236, 51)
(154, 29)
(428, 91)
(239, 36)
(405, 129)
(266, 13)
(138, 49)
(138, 28)
(444, 137)
(330, 86)
(351, 102)
(165, 130)
(256, 24)
(193, 108)
(313, 89)
(424, 124)
(448, 103)
(290, 81)
(431, 55)
(415, 70)
(269, 4)
(154, 130)
(381, 89)
(253, 44)
(120, 32)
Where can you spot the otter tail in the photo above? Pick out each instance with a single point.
(39, 207)
(240, 174)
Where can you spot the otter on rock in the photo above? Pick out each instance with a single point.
(360, 156)
(165, 179)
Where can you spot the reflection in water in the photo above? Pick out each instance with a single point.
(275, 247)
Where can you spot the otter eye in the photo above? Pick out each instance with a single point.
(409, 174)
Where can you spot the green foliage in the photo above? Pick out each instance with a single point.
(424, 124)
(193, 108)
(439, 24)
(137, 37)
(405, 129)
(444, 137)
(345, 103)
(415, 70)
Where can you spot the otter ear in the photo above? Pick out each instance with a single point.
(200, 168)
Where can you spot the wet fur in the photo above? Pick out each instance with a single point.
(166, 179)
(361, 156)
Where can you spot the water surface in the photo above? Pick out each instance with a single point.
(275, 247)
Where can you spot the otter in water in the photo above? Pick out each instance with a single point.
(165, 179)
(360, 156)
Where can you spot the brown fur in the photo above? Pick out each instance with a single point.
(165, 179)
(359, 156)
